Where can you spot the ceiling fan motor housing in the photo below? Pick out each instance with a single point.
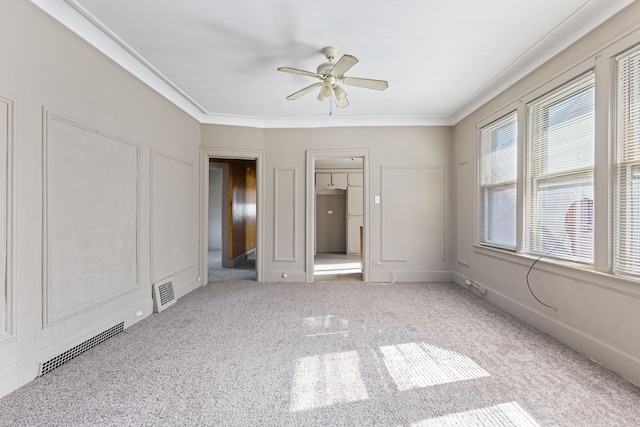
(330, 52)
(325, 68)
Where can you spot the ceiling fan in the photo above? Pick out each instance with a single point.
(331, 73)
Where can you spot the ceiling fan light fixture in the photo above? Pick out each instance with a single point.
(331, 72)
(323, 98)
(340, 93)
(326, 89)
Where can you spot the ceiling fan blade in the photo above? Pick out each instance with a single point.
(366, 83)
(296, 71)
(344, 64)
(303, 92)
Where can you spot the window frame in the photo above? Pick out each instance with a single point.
(623, 171)
(493, 124)
(535, 176)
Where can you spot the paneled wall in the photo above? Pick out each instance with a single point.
(413, 161)
(91, 217)
(7, 282)
(596, 313)
(285, 215)
(173, 225)
(412, 216)
(99, 195)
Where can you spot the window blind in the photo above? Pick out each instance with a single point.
(627, 194)
(498, 183)
(560, 172)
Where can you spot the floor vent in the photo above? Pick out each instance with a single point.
(53, 363)
(163, 295)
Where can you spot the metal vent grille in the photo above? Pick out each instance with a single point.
(60, 359)
(163, 294)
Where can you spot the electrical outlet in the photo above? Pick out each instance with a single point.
(284, 275)
(139, 313)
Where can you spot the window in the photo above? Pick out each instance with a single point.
(559, 199)
(627, 166)
(498, 165)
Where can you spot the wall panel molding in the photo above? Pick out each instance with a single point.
(91, 217)
(173, 248)
(464, 208)
(403, 203)
(285, 215)
(7, 218)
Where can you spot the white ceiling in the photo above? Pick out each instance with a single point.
(217, 59)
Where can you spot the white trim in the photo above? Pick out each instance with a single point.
(9, 331)
(586, 18)
(324, 121)
(75, 17)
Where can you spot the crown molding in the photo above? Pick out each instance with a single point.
(80, 21)
(77, 19)
(324, 121)
(577, 25)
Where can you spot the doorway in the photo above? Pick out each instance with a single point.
(337, 215)
(232, 219)
(232, 223)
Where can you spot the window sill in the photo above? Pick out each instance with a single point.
(574, 271)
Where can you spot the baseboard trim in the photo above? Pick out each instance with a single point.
(617, 360)
(410, 276)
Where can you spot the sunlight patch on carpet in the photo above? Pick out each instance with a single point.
(325, 325)
(417, 365)
(324, 380)
(503, 415)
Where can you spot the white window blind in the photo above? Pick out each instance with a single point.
(627, 207)
(498, 164)
(560, 172)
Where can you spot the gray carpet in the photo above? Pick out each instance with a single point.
(246, 353)
(246, 270)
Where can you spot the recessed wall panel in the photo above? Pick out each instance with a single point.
(464, 209)
(285, 215)
(413, 215)
(173, 223)
(7, 308)
(91, 217)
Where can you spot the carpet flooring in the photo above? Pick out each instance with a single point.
(242, 353)
(246, 270)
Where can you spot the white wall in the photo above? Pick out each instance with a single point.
(102, 192)
(598, 313)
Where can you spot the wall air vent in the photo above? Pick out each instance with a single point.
(163, 295)
(62, 358)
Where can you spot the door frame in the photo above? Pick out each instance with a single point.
(312, 156)
(207, 153)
